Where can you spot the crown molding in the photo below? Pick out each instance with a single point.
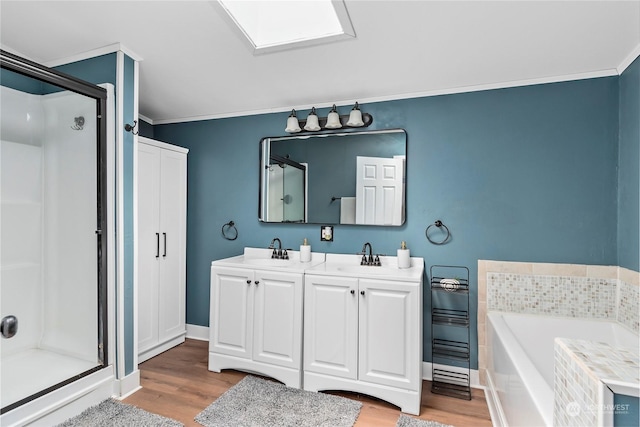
(146, 119)
(395, 97)
(104, 50)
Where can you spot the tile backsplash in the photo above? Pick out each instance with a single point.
(629, 305)
(563, 296)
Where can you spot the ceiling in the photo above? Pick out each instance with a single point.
(194, 65)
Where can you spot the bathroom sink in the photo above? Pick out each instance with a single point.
(269, 262)
(348, 265)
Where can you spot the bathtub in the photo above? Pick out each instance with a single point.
(520, 361)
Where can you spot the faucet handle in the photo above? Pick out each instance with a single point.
(376, 261)
(285, 255)
(363, 261)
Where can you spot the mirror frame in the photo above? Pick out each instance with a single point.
(266, 159)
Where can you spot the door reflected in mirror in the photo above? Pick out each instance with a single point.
(338, 178)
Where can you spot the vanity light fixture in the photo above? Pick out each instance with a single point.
(355, 117)
(334, 120)
(312, 121)
(293, 126)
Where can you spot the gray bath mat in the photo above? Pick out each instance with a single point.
(113, 413)
(257, 402)
(407, 421)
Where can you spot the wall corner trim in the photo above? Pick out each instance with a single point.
(128, 385)
(629, 59)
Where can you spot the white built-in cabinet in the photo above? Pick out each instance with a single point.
(256, 322)
(364, 335)
(161, 237)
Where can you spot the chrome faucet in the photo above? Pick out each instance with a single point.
(369, 260)
(277, 252)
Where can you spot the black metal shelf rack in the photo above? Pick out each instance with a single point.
(450, 280)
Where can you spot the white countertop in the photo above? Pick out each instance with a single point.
(260, 258)
(349, 266)
(343, 265)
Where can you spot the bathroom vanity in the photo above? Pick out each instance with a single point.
(361, 330)
(256, 314)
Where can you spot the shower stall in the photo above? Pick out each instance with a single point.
(53, 295)
(285, 189)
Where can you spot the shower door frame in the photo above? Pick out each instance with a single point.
(37, 71)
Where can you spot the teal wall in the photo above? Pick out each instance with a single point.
(518, 174)
(629, 203)
(629, 177)
(103, 69)
(626, 411)
(128, 202)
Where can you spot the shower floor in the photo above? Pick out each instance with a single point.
(26, 373)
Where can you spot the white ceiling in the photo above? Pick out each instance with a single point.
(194, 65)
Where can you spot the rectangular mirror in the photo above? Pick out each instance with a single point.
(337, 178)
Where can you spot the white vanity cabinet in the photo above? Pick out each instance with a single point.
(256, 316)
(364, 334)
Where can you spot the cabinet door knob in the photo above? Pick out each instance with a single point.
(248, 282)
(362, 293)
(256, 282)
(352, 292)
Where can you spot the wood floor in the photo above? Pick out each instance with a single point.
(177, 384)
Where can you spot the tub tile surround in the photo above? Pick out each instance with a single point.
(583, 373)
(562, 290)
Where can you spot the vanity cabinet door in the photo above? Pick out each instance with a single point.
(277, 321)
(231, 319)
(390, 333)
(331, 326)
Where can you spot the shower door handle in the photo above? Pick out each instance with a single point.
(9, 326)
(157, 245)
(165, 245)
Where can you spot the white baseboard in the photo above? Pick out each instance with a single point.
(474, 376)
(128, 385)
(198, 332)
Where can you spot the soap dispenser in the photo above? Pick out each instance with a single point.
(404, 256)
(305, 251)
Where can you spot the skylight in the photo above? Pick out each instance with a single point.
(278, 25)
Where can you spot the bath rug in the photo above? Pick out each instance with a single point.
(113, 413)
(407, 421)
(257, 402)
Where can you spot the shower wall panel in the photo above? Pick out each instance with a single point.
(48, 252)
(21, 129)
(70, 220)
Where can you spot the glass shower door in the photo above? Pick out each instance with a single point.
(52, 296)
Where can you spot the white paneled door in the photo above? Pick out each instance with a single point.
(379, 190)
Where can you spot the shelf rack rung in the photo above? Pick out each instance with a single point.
(451, 349)
(454, 384)
(446, 316)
